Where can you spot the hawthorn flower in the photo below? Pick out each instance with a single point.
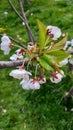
(53, 32)
(42, 79)
(34, 84)
(66, 45)
(70, 49)
(16, 57)
(30, 46)
(72, 42)
(20, 51)
(56, 77)
(71, 61)
(20, 73)
(25, 84)
(64, 62)
(30, 84)
(5, 44)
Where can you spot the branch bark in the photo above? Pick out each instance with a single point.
(9, 64)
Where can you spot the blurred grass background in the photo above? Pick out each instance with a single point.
(34, 110)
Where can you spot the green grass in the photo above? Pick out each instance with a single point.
(41, 109)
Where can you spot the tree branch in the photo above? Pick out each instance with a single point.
(23, 18)
(25, 21)
(15, 10)
(9, 64)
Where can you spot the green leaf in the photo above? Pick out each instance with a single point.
(44, 64)
(48, 40)
(49, 59)
(59, 54)
(60, 44)
(42, 35)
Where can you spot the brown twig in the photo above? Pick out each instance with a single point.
(23, 18)
(15, 10)
(25, 21)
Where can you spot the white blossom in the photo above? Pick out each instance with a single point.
(30, 46)
(30, 84)
(71, 61)
(5, 44)
(66, 45)
(25, 84)
(64, 62)
(42, 79)
(20, 52)
(70, 48)
(16, 57)
(53, 32)
(19, 73)
(72, 42)
(56, 77)
(34, 84)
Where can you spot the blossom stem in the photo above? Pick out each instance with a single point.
(16, 45)
(36, 70)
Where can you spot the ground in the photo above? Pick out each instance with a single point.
(41, 109)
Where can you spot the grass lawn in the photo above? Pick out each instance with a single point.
(41, 109)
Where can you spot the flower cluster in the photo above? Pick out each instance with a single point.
(45, 57)
(27, 82)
